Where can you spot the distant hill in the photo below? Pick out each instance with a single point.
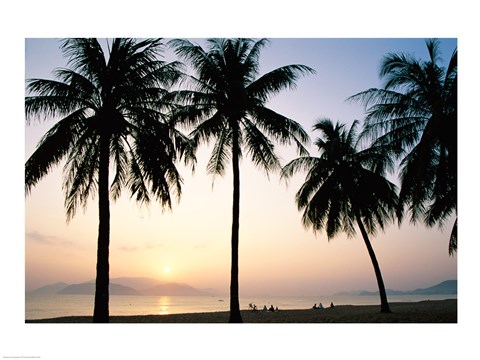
(137, 283)
(127, 286)
(388, 291)
(175, 289)
(349, 293)
(448, 287)
(50, 289)
(88, 288)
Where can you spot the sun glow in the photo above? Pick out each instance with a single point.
(166, 269)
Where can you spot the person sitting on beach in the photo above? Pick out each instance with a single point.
(331, 305)
(265, 308)
(271, 308)
(320, 306)
(315, 306)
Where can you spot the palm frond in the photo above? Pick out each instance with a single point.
(251, 62)
(452, 246)
(185, 148)
(137, 181)
(80, 173)
(53, 147)
(54, 99)
(201, 61)
(86, 56)
(433, 47)
(221, 153)
(314, 179)
(260, 148)
(280, 128)
(304, 163)
(120, 157)
(277, 80)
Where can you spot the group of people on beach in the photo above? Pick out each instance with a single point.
(253, 307)
(320, 306)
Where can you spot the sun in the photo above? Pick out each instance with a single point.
(166, 269)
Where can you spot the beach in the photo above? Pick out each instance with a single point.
(429, 311)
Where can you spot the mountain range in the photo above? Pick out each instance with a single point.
(126, 286)
(147, 286)
(448, 287)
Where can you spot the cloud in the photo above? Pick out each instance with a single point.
(51, 240)
(128, 248)
(146, 246)
(40, 238)
(153, 245)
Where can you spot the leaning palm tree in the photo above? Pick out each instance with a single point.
(414, 117)
(344, 186)
(108, 114)
(228, 104)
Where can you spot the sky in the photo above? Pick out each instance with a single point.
(339, 264)
(191, 243)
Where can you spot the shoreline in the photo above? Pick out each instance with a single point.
(428, 311)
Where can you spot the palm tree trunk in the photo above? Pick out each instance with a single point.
(384, 307)
(235, 316)
(101, 312)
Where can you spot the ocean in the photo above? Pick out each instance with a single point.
(42, 306)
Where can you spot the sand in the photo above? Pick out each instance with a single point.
(441, 311)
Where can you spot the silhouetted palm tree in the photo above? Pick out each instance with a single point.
(414, 117)
(345, 186)
(228, 104)
(108, 112)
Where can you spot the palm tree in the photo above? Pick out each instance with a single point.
(228, 104)
(414, 117)
(108, 111)
(345, 186)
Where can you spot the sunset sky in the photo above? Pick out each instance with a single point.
(277, 255)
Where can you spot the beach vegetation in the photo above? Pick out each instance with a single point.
(414, 118)
(227, 104)
(110, 128)
(345, 186)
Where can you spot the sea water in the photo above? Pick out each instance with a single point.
(43, 306)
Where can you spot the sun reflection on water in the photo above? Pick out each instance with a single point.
(164, 303)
